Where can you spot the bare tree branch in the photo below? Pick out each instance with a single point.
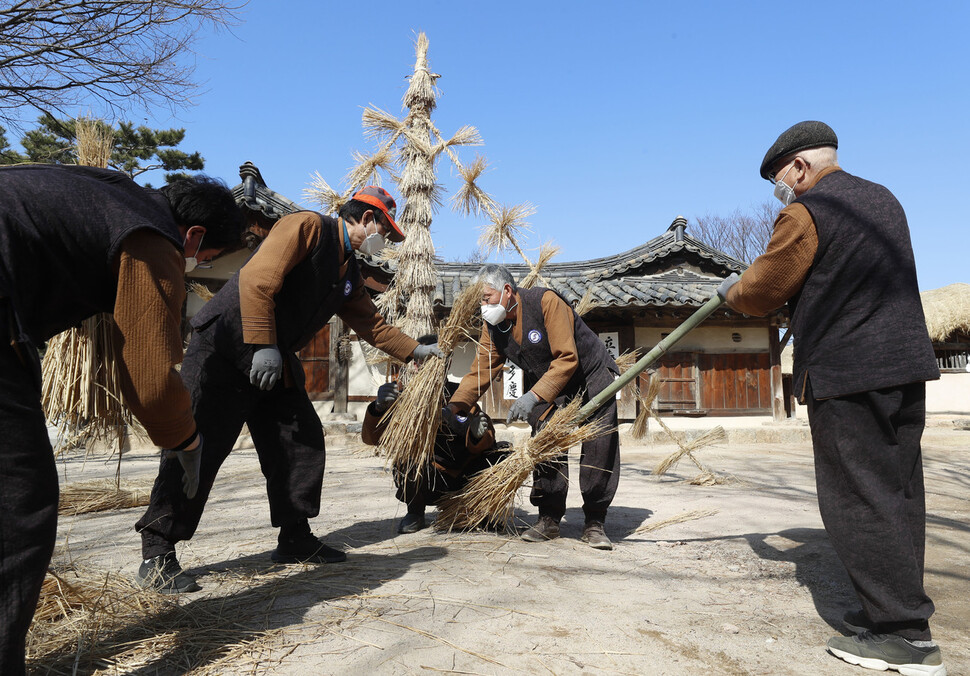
(743, 235)
(55, 54)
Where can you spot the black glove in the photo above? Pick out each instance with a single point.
(267, 366)
(730, 281)
(191, 462)
(387, 394)
(522, 406)
(422, 352)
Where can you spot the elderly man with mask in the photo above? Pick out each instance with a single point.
(841, 256)
(560, 358)
(241, 368)
(74, 242)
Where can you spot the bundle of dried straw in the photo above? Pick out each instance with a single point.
(102, 495)
(489, 496)
(413, 420)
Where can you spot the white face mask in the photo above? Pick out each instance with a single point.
(372, 244)
(192, 262)
(784, 192)
(494, 314)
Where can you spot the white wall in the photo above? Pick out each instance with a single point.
(949, 394)
(707, 339)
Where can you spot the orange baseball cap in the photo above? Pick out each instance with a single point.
(380, 198)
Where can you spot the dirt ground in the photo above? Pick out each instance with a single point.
(753, 589)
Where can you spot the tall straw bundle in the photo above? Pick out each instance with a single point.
(408, 440)
(102, 495)
(947, 311)
(94, 141)
(490, 495)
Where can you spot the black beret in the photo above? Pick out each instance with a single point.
(808, 134)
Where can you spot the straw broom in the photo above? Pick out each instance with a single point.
(414, 418)
(102, 495)
(490, 494)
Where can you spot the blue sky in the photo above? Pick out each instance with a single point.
(611, 118)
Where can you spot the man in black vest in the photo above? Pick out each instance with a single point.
(841, 256)
(463, 446)
(241, 367)
(74, 242)
(560, 357)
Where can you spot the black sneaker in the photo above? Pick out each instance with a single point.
(595, 536)
(412, 523)
(164, 574)
(887, 651)
(546, 528)
(857, 621)
(307, 549)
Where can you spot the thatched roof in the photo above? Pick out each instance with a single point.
(947, 310)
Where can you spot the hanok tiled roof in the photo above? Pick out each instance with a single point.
(253, 194)
(673, 269)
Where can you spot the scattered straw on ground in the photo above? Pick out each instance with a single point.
(670, 521)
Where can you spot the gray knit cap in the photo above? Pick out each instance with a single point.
(801, 136)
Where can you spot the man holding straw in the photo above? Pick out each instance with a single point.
(463, 446)
(241, 367)
(841, 256)
(74, 242)
(560, 358)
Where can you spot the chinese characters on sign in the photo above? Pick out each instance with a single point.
(512, 381)
(612, 342)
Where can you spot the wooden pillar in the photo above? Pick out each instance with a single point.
(774, 359)
(339, 366)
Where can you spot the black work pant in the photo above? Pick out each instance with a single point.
(435, 483)
(28, 500)
(599, 464)
(286, 432)
(869, 476)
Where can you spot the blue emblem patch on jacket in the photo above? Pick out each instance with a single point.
(535, 335)
(348, 287)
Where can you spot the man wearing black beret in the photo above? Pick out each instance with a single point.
(840, 255)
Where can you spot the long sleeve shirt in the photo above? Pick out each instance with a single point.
(289, 243)
(488, 362)
(148, 317)
(778, 274)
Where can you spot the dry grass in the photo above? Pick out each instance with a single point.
(489, 496)
(102, 495)
(586, 303)
(680, 518)
(645, 400)
(546, 253)
(947, 310)
(709, 437)
(414, 418)
(202, 291)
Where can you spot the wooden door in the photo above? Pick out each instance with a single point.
(739, 382)
(315, 358)
(678, 382)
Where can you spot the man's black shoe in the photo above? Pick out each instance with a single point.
(164, 574)
(595, 536)
(546, 528)
(887, 651)
(412, 523)
(857, 621)
(307, 549)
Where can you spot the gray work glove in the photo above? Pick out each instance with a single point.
(730, 281)
(422, 352)
(521, 407)
(267, 367)
(387, 394)
(191, 462)
(478, 426)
